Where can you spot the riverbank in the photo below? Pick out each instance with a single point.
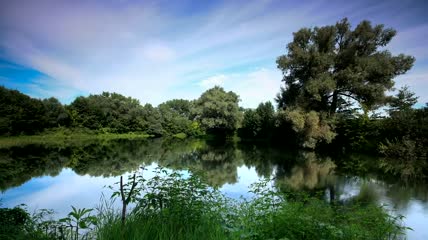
(69, 138)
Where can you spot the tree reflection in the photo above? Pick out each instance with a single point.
(217, 161)
(20, 164)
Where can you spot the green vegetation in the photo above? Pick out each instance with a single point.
(172, 206)
(335, 79)
(216, 111)
(60, 136)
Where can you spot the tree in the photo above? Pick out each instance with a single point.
(177, 118)
(250, 124)
(152, 121)
(310, 127)
(326, 68)
(55, 113)
(266, 112)
(180, 106)
(108, 111)
(258, 123)
(218, 111)
(19, 113)
(403, 101)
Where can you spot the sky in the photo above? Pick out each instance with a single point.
(160, 50)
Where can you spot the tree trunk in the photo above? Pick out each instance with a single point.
(123, 201)
(333, 106)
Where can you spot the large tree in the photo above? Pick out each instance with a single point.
(327, 69)
(218, 111)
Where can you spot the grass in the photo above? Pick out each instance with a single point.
(60, 137)
(173, 206)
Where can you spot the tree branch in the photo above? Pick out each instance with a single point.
(122, 194)
(347, 95)
(134, 184)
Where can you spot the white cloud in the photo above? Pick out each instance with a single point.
(255, 87)
(146, 50)
(158, 52)
(210, 82)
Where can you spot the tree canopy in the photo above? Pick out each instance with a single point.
(21, 114)
(404, 100)
(258, 123)
(218, 111)
(327, 69)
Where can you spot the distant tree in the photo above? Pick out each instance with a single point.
(180, 106)
(327, 67)
(55, 113)
(152, 121)
(175, 116)
(266, 113)
(403, 101)
(258, 123)
(19, 113)
(107, 111)
(218, 111)
(251, 124)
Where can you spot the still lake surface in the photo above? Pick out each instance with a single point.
(58, 176)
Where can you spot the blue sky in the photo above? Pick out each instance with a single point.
(158, 50)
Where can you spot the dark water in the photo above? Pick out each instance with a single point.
(57, 177)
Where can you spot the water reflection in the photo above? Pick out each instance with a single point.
(60, 176)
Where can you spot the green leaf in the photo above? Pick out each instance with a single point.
(83, 225)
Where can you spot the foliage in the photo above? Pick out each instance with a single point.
(20, 114)
(218, 111)
(311, 127)
(258, 123)
(177, 205)
(250, 124)
(78, 219)
(18, 224)
(111, 111)
(12, 222)
(273, 215)
(330, 69)
(326, 67)
(404, 157)
(403, 101)
(169, 205)
(405, 143)
(177, 118)
(358, 133)
(55, 113)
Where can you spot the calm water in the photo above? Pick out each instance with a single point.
(57, 177)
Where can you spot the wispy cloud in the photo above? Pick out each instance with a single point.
(156, 50)
(210, 82)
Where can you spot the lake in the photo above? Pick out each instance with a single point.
(57, 176)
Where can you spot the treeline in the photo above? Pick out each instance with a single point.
(334, 77)
(216, 111)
